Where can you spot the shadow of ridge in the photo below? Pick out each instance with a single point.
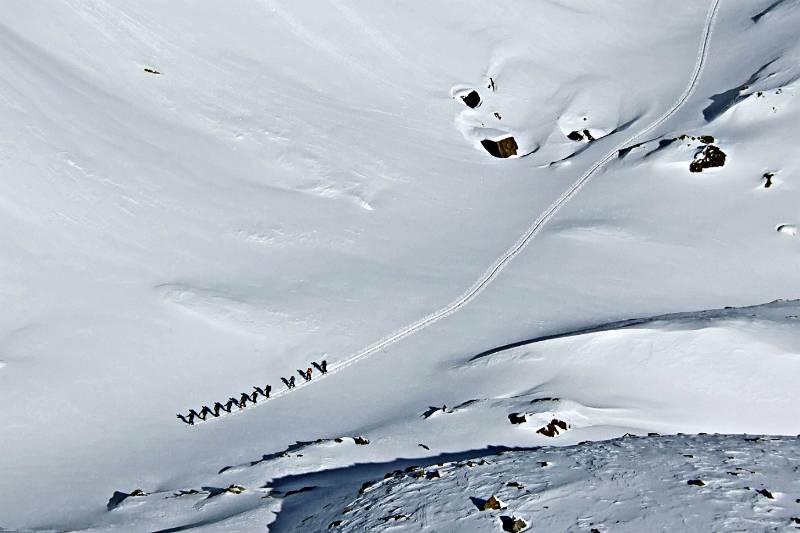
(705, 314)
(723, 101)
(292, 448)
(338, 487)
(767, 11)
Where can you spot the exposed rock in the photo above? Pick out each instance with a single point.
(765, 493)
(588, 135)
(394, 517)
(696, 482)
(151, 71)
(491, 503)
(238, 489)
(788, 229)
(497, 116)
(335, 523)
(711, 156)
(423, 446)
(138, 492)
(361, 441)
(515, 484)
(512, 524)
(472, 99)
(365, 486)
(706, 139)
(502, 148)
(768, 179)
(553, 428)
(434, 474)
(517, 418)
(575, 136)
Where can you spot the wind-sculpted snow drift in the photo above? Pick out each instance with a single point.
(677, 483)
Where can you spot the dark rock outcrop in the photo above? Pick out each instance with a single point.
(517, 418)
(502, 148)
(512, 524)
(472, 99)
(711, 156)
(553, 428)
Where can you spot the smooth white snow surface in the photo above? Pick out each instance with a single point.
(299, 183)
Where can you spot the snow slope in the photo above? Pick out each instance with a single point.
(297, 183)
(629, 484)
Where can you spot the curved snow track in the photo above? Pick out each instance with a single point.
(503, 261)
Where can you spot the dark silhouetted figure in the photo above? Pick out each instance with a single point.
(231, 402)
(205, 411)
(218, 406)
(189, 420)
(254, 396)
(243, 399)
(267, 390)
(288, 382)
(195, 414)
(260, 391)
(304, 374)
(323, 367)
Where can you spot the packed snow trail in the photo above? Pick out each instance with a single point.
(503, 261)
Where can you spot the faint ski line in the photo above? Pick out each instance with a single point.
(534, 229)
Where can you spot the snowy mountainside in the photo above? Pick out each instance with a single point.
(198, 197)
(655, 483)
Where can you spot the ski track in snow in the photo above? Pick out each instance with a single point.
(533, 230)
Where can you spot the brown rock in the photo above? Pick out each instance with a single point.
(491, 503)
(502, 148)
(512, 524)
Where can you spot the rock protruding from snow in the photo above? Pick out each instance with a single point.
(503, 148)
(554, 428)
(788, 229)
(711, 156)
(517, 418)
(491, 504)
(472, 99)
(512, 524)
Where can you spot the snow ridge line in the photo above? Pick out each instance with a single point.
(534, 229)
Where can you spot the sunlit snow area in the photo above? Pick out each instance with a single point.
(544, 251)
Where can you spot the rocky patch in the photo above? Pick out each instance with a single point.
(517, 418)
(472, 99)
(554, 428)
(502, 149)
(512, 524)
(709, 157)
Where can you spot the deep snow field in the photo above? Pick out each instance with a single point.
(198, 197)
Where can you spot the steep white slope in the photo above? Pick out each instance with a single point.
(297, 183)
